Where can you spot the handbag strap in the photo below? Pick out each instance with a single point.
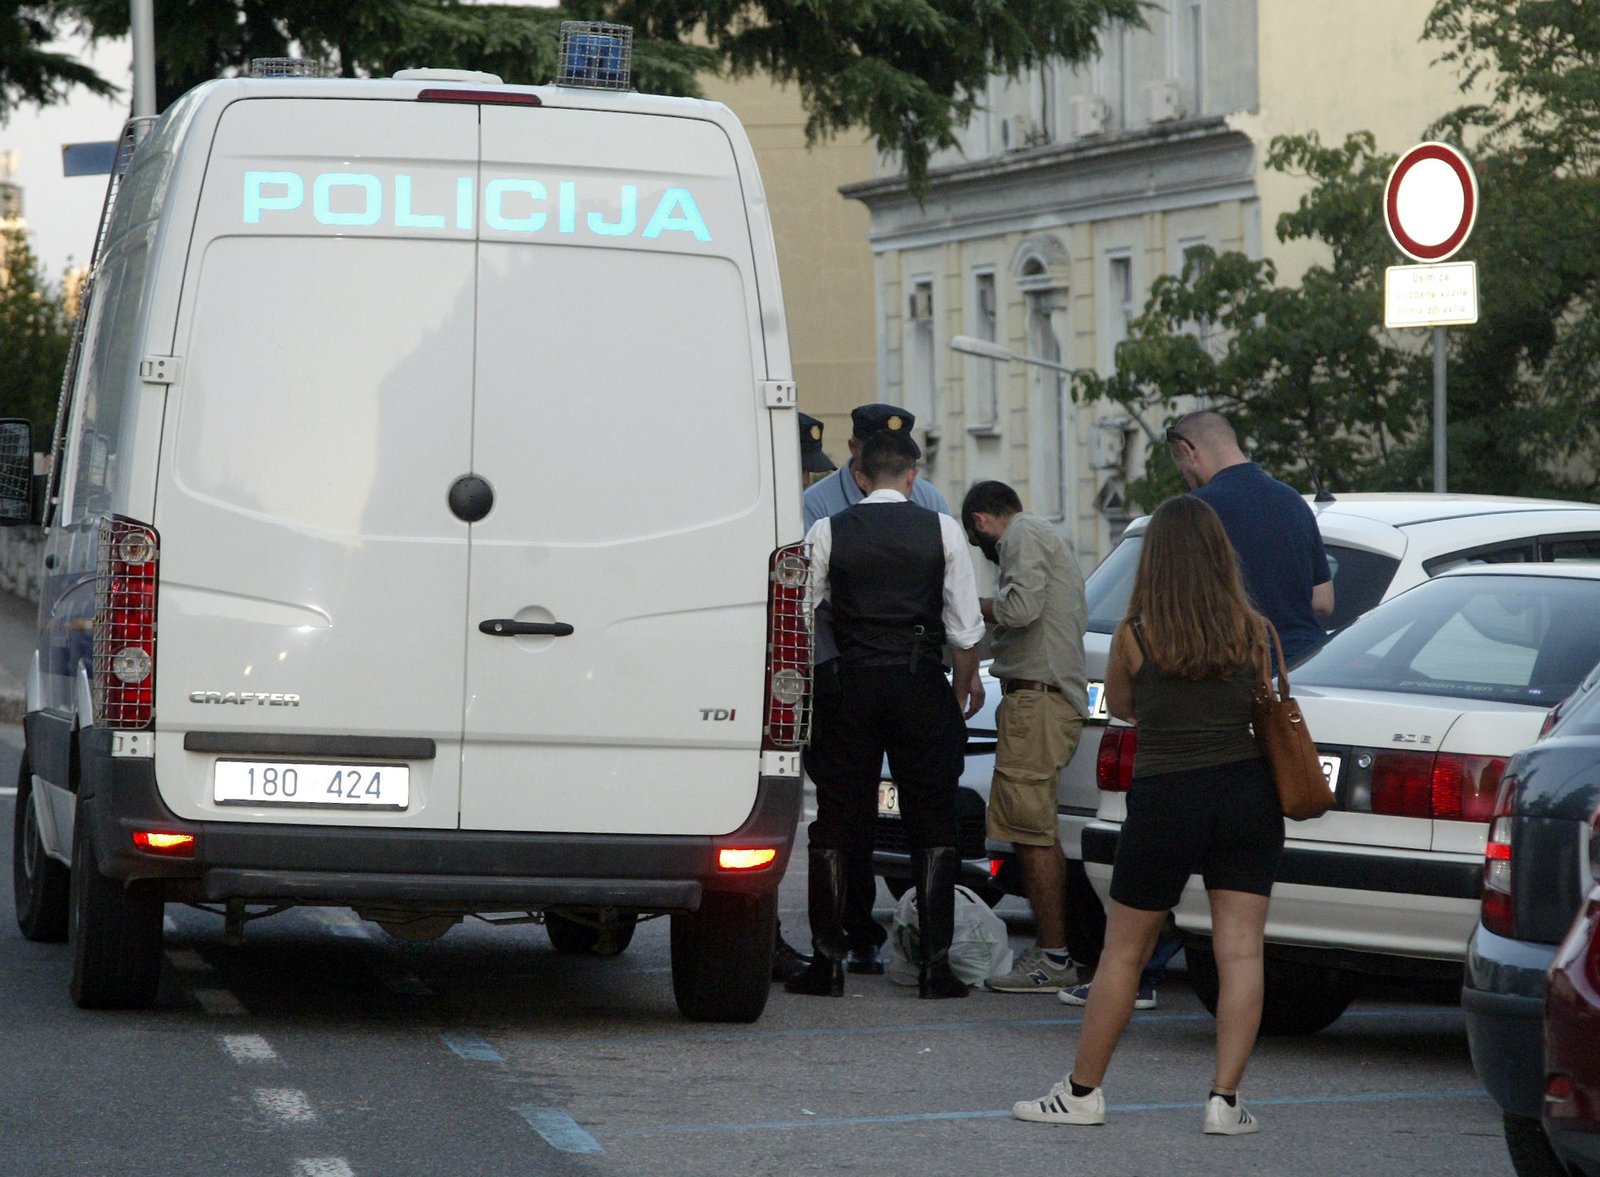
(1265, 667)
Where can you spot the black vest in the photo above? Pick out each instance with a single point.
(886, 581)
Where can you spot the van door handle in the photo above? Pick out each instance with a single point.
(505, 627)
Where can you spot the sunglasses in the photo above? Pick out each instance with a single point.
(1174, 437)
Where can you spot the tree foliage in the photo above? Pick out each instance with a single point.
(910, 72)
(36, 329)
(31, 73)
(1325, 395)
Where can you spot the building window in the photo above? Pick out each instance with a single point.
(985, 411)
(1195, 66)
(1049, 432)
(922, 388)
(1118, 306)
(1197, 263)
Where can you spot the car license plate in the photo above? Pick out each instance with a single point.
(1330, 770)
(1097, 701)
(279, 782)
(888, 799)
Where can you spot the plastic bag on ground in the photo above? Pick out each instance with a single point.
(980, 948)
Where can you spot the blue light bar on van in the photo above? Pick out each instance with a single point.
(595, 55)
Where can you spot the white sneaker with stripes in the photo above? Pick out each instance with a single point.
(1060, 1106)
(1223, 1120)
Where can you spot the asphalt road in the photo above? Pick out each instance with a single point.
(321, 1047)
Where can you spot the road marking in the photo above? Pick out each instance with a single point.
(323, 1167)
(286, 1104)
(249, 1048)
(560, 1131)
(8, 790)
(189, 961)
(1112, 1110)
(218, 1001)
(472, 1049)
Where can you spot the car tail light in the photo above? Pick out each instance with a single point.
(788, 707)
(1113, 767)
(1402, 783)
(740, 858)
(173, 845)
(1465, 788)
(1446, 785)
(1496, 911)
(125, 625)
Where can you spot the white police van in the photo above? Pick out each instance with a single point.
(424, 511)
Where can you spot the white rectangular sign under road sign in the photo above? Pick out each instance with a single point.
(1442, 295)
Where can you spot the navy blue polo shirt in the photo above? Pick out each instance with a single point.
(1279, 547)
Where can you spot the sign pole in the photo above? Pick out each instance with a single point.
(1439, 449)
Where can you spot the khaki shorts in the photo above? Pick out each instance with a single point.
(1038, 733)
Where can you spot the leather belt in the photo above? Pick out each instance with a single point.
(1007, 685)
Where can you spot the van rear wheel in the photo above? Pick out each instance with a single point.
(722, 956)
(115, 932)
(39, 883)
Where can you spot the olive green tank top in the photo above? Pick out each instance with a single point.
(1187, 723)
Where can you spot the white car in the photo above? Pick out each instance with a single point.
(1416, 708)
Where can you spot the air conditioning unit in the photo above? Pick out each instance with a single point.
(1108, 444)
(1091, 115)
(1018, 132)
(1164, 101)
(920, 305)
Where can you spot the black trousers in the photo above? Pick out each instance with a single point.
(910, 715)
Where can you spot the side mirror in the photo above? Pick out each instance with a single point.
(16, 472)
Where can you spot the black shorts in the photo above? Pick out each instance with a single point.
(1223, 823)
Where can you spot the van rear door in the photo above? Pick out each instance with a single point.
(618, 417)
(313, 578)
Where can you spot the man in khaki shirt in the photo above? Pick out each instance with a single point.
(1039, 617)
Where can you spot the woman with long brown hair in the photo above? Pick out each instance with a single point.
(1182, 668)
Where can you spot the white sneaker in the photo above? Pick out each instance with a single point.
(1060, 1106)
(1222, 1120)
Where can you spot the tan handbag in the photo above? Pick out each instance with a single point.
(1285, 742)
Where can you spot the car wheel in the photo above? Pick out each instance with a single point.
(722, 956)
(1531, 1154)
(115, 932)
(578, 938)
(39, 883)
(1299, 999)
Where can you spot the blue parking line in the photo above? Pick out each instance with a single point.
(1112, 1111)
(560, 1131)
(472, 1049)
(1451, 1012)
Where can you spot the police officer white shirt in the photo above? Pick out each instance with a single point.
(963, 620)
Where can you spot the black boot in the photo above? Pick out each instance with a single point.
(787, 961)
(824, 976)
(936, 869)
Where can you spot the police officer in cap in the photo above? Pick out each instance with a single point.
(900, 582)
(815, 464)
(828, 496)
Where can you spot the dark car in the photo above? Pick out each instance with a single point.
(1535, 880)
(1572, 1035)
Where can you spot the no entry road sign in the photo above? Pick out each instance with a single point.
(1430, 202)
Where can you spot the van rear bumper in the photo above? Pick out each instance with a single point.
(460, 869)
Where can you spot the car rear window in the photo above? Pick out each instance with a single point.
(1523, 639)
(1360, 578)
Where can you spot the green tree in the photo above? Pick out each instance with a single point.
(31, 73)
(910, 72)
(35, 329)
(1325, 394)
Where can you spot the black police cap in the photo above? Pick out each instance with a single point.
(812, 458)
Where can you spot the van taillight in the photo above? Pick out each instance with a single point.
(1113, 767)
(788, 709)
(1442, 785)
(124, 671)
(1496, 911)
